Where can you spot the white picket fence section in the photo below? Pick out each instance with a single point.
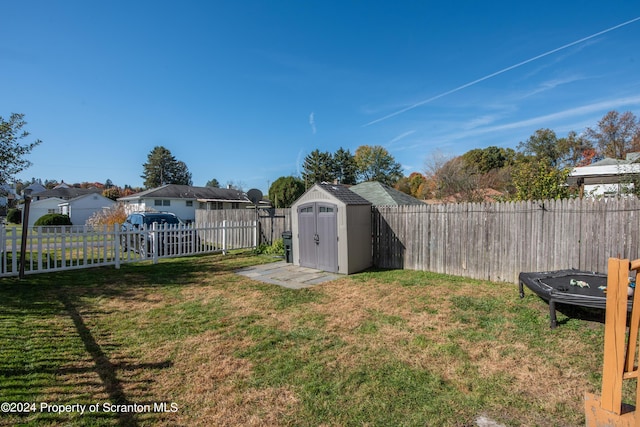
(59, 248)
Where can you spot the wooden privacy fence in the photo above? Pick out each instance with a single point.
(497, 241)
(493, 241)
(272, 222)
(64, 248)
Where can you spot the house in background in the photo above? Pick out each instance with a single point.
(65, 193)
(182, 200)
(38, 208)
(607, 177)
(8, 197)
(51, 201)
(34, 188)
(81, 208)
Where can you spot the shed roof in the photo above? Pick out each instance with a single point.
(344, 194)
(380, 194)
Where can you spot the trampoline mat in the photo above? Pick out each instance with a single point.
(563, 286)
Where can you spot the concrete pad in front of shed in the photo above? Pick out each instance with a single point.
(287, 275)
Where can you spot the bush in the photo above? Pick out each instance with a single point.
(116, 214)
(14, 216)
(53, 219)
(277, 248)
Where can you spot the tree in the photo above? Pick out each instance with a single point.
(416, 185)
(116, 214)
(12, 150)
(50, 183)
(112, 193)
(616, 135)
(285, 190)
(543, 146)
(456, 179)
(213, 183)
(318, 167)
(575, 150)
(538, 180)
(490, 158)
(239, 185)
(163, 168)
(374, 163)
(344, 164)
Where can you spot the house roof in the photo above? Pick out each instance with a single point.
(605, 171)
(608, 161)
(35, 188)
(49, 201)
(175, 191)
(344, 194)
(66, 193)
(75, 199)
(382, 195)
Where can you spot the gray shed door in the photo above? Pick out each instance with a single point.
(318, 236)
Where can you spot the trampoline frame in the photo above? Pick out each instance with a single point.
(578, 297)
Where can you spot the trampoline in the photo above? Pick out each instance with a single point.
(574, 287)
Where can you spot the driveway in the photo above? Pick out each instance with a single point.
(288, 275)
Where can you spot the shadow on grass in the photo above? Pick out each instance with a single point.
(595, 315)
(39, 347)
(105, 369)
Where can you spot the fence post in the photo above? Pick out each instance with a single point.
(154, 237)
(3, 247)
(224, 237)
(116, 244)
(256, 226)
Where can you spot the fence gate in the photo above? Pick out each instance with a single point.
(318, 236)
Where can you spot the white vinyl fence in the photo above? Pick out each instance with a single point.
(58, 248)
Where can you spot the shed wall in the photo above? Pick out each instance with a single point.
(359, 242)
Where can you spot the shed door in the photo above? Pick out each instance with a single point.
(318, 236)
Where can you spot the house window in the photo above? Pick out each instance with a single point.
(52, 211)
(235, 205)
(213, 206)
(189, 203)
(202, 205)
(162, 202)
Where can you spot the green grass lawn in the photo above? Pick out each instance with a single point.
(380, 348)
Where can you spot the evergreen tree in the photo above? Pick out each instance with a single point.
(163, 168)
(345, 169)
(318, 167)
(285, 190)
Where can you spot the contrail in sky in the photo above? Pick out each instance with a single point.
(504, 70)
(312, 122)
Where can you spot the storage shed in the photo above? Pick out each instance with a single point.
(331, 230)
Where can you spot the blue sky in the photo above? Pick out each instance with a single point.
(242, 91)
